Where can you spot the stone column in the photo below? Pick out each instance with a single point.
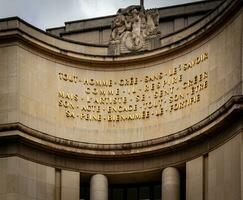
(98, 187)
(170, 184)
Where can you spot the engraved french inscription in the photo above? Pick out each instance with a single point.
(152, 95)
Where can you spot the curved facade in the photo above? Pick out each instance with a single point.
(78, 122)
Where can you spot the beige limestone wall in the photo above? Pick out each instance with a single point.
(37, 82)
(194, 179)
(25, 180)
(224, 166)
(8, 84)
(92, 37)
(70, 182)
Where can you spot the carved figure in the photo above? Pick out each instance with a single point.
(152, 17)
(133, 25)
(136, 27)
(118, 27)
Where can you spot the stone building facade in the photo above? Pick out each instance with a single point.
(145, 104)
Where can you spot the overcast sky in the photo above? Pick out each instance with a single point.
(52, 13)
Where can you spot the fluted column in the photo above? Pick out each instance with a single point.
(98, 187)
(170, 184)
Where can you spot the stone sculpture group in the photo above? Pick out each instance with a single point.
(132, 26)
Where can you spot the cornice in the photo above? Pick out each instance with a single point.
(15, 28)
(205, 128)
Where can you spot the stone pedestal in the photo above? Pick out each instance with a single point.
(98, 187)
(170, 184)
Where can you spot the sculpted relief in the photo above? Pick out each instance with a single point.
(132, 27)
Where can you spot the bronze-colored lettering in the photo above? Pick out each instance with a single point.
(185, 103)
(176, 97)
(160, 112)
(65, 104)
(140, 98)
(70, 114)
(195, 62)
(90, 117)
(199, 87)
(110, 100)
(128, 82)
(150, 93)
(66, 77)
(153, 78)
(172, 72)
(129, 108)
(146, 114)
(69, 96)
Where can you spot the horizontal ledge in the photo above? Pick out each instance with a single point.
(86, 53)
(162, 144)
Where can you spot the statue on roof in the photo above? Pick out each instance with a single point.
(132, 26)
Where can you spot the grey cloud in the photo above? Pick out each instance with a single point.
(52, 13)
